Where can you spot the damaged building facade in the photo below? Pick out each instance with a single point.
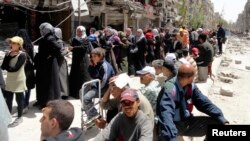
(68, 14)
(121, 14)
(243, 21)
(29, 14)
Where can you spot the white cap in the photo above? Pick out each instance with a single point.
(147, 69)
(170, 57)
(121, 80)
(199, 29)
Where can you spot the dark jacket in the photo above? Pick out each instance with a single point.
(46, 65)
(205, 54)
(167, 41)
(173, 49)
(221, 33)
(139, 51)
(173, 107)
(73, 134)
(102, 71)
(79, 68)
(2, 82)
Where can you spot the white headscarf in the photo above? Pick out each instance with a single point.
(155, 32)
(58, 33)
(141, 36)
(83, 29)
(46, 28)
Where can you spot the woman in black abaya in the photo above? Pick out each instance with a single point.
(81, 47)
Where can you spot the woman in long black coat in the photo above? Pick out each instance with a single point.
(80, 61)
(140, 50)
(63, 66)
(47, 76)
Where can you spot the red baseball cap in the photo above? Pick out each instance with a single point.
(195, 51)
(130, 95)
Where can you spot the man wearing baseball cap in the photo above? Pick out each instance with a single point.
(152, 87)
(131, 123)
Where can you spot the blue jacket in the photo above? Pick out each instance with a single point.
(102, 71)
(221, 33)
(173, 107)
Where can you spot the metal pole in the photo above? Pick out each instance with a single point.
(79, 12)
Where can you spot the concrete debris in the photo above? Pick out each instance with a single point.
(248, 67)
(225, 79)
(229, 74)
(237, 50)
(227, 59)
(224, 64)
(226, 91)
(237, 61)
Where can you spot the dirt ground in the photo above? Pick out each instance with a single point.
(235, 108)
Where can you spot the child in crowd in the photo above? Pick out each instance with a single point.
(98, 69)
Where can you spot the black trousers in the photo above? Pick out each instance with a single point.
(19, 99)
(27, 98)
(220, 45)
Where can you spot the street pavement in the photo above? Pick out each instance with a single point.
(29, 130)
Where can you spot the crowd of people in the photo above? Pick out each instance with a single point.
(168, 62)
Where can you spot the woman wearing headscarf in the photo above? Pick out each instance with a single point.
(124, 46)
(46, 64)
(157, 44)
(115, 50)
(63, 67)
(81, 47)
(150, 46)
(139, 50)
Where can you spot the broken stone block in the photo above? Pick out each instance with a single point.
(224, 64)
(226, 91)
(227, 59)
(248, 67)
(237, 61)
(225, 79)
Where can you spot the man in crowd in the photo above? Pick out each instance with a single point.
(157, 64)
(175, 108)
(220, 37)
(117, 85)
(152, 87)
(56, 120)
(176, 44)
(205, 58)
(191, 60)
(129, 125)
